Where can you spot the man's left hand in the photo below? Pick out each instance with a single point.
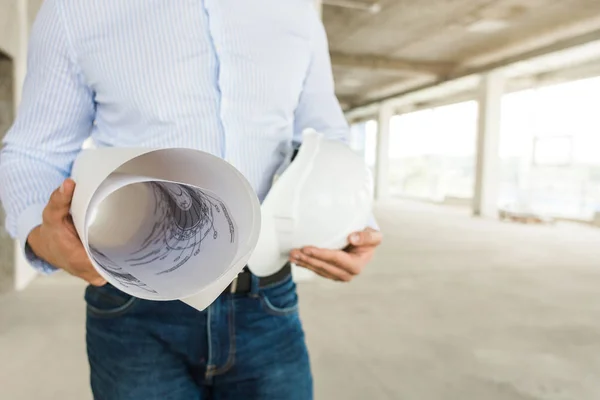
(340, 265)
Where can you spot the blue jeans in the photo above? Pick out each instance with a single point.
(244, 346)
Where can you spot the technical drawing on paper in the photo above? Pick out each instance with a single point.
(185, 218)
(183, 221)
(117, 272)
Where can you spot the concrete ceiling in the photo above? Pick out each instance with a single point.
(409, 43)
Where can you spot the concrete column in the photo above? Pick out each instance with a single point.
(20, 59)
(24, 273)
(319, 7)
(487, 167)
(7, 251)
(382, 160)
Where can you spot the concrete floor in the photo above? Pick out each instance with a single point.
(452, 308)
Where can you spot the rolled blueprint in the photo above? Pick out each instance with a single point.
(167, 224)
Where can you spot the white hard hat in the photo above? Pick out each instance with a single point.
(323, 196)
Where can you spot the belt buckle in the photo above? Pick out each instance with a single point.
(233, 285)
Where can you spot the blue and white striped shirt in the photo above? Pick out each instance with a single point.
(236, 78)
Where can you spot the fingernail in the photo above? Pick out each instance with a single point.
(61, 189)
(355, 238)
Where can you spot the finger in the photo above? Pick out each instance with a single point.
(338, 258)
(317, 271)
(82, 267)
(60, 201)
(98, 282)
(91, 276)
(321, 265)
(368, 237)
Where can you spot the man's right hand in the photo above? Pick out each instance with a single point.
(56, 241)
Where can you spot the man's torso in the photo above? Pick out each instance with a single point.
(222, 76)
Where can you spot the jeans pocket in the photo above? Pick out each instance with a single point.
(107, 301)
(280, 298)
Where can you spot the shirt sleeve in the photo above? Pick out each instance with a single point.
(54, 119)
(318, 107)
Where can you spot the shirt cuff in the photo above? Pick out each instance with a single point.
(28, 221)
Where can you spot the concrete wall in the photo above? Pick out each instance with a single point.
(7, 248)
(16, 17)
(32, 9)
(10, 20)
(9, 32)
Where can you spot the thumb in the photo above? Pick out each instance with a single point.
(60, 201)
(367, 238)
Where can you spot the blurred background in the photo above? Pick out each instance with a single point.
(481, 122)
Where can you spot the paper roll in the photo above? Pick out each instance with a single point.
(167, 224)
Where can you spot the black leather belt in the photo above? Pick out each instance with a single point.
(243, 282)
